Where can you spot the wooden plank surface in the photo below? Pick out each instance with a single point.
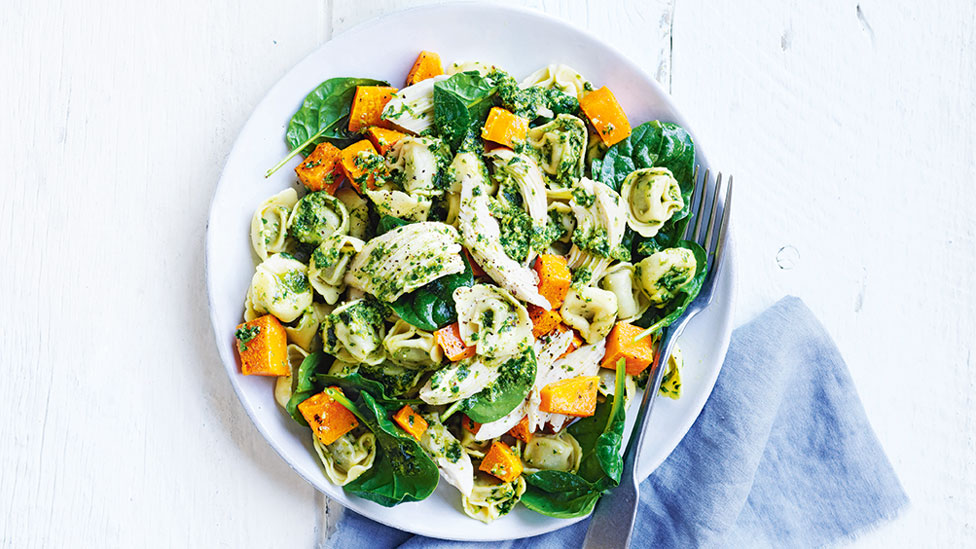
(849, 127)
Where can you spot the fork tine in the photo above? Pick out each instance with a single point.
(711, 217)
(723, 228)
(701, 207)
(695, 195)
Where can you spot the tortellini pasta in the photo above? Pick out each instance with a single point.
(348, 457)
(405, 259)
(663, 273)
(317, 216)
(420, 160)
(482, 236)
(452, 461)
(358, 210)
(307, 326)
(599, 232)
(411, 347)
(412, 108)
(552, 453)
(328, 264)
(652, 196)
(280, 287)
(354, 333)
(631, 299)
(560, 148)
(269, 226)
(472, 446)
(591, 311)
(561, 77)
(397, 380)
(492, 320)
(490, 500)
(458, 381)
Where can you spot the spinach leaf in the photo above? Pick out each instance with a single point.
(388, 223)
(356, 383)
(431, 306)
(402, 471)
(505, 393)
(559, 494)
(306, 386)
(323, 116)
(652, 144)
(461, 105)
(655, 318)
(600, 437)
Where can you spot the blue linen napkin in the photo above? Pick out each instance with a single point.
(782, 455)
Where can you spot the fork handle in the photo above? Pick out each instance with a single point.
(612, 522)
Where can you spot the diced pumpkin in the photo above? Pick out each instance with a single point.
(321, 170)
(476, 269)
(328, 419)
(522, 431)
(263, 347)
(427, 65)
(606, 115)
(543, 321)
(571, 397)
(455, 349)
(470, 425)
(410, 421)
(504, 128)
(359, 163)
(383, 139)
(501, 462)
(620, 344)
(367, 106)
(554, 278)
(576, 343)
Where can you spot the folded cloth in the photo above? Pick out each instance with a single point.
(782, 455)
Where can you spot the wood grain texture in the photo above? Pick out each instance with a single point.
(849, 127)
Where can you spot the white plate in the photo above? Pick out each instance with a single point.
(519, 41)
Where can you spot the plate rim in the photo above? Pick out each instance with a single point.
(336, 492)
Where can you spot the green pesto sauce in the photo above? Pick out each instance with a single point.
(244, 335)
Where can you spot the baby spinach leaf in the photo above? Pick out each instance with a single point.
(502, 396)
(355, 383)
(461, 105)
(655, 318)
(600, 437)
(652, 144)
(305, 386)
(388, 223)
(431, 307)
(402, 470)
(323, 116)
(559, 494)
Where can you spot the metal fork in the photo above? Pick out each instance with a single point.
(612, 523)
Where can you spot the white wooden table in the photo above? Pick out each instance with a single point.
(851, 129)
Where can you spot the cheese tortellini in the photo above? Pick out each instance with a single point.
(354, 333)
(663, 273)
(492, 320)
(397, 380)
(348, 457)
(560, 148)
(307, 326)
(405, 259)
(490, 500)
(631, 299)
(412, 347)
(416, 163)
(600, 225)
(552, 453)
(358, 210)
(317, 216)
(561, 77)
(327, 266)
(280, 286)
(458, 380)
(269, 226)
(591, 311)
(652, 196)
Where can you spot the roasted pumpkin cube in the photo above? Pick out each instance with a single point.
(620, 344)
(427, 65)
(383, 139)
(554, 278)
(504, 128)
(367, 106)
(360, 162)
(575, 396)
(410, 421)
(321, 171)
(262, 345)
(501, 462)
(522, 431)
(606, 115)
(543, 321)
(470, 425)
(455, 349)
(328, 419)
